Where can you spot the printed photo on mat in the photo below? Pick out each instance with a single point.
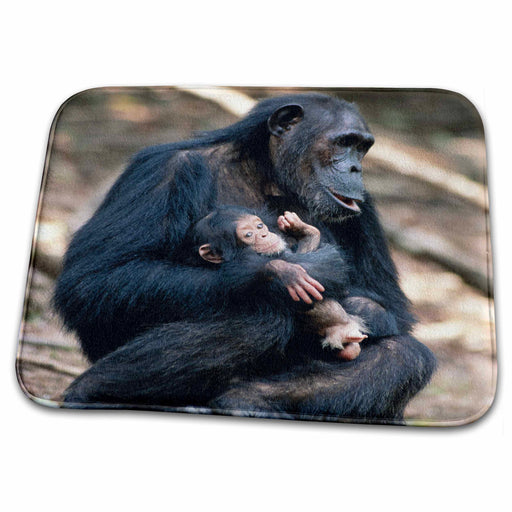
(278, 253)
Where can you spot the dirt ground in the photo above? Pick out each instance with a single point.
(99, 130)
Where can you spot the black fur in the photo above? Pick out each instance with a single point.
(125, 281)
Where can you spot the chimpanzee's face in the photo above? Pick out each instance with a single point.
(251, 231)
(317, 155)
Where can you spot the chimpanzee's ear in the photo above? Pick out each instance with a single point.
(208, 254)
(283, 118)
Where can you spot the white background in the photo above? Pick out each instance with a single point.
(66, 460)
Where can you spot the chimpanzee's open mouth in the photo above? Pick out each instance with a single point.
(347, 202)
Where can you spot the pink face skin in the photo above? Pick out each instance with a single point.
(251, 231)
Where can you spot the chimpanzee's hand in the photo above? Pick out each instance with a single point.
(291, 223)
(298, 282)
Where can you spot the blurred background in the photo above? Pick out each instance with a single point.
(426, 171)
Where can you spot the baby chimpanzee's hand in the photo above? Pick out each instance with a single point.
(298, 282)
(291, 223)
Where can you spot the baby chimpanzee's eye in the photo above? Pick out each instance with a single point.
(248, 234)
(260, 225)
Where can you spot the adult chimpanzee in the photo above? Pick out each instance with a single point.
(119, 286)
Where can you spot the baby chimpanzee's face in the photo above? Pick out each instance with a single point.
(251, 231)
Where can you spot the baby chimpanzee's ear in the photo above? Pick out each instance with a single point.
(208, 254)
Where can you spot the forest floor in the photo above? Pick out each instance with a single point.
(95, 136)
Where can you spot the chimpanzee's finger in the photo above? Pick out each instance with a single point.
(303, 294)
(282, 223)
(314, 283)
(312, 291)
(291, 218)
(293, 294)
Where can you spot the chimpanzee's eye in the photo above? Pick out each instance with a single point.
(248, 234)
(260, 225)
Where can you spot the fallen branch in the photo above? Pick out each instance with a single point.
(422, 243)
(399, 158)
(71, 371)
(231, 100)
(42, 343)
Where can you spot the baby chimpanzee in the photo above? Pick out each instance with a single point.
(226, 233)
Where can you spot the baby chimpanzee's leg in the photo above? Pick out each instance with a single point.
(340, 330)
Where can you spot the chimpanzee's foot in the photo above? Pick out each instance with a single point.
(345, 339)
(349, 352)
(339, 335)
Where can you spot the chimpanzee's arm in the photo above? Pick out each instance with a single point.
(112, 304)
(154, 291)
(308, 243)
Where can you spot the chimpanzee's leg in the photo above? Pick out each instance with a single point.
(375, 386)
(183, 363)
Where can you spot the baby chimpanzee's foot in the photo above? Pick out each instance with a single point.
(345, 338)
(349, 352)
(339, 335)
